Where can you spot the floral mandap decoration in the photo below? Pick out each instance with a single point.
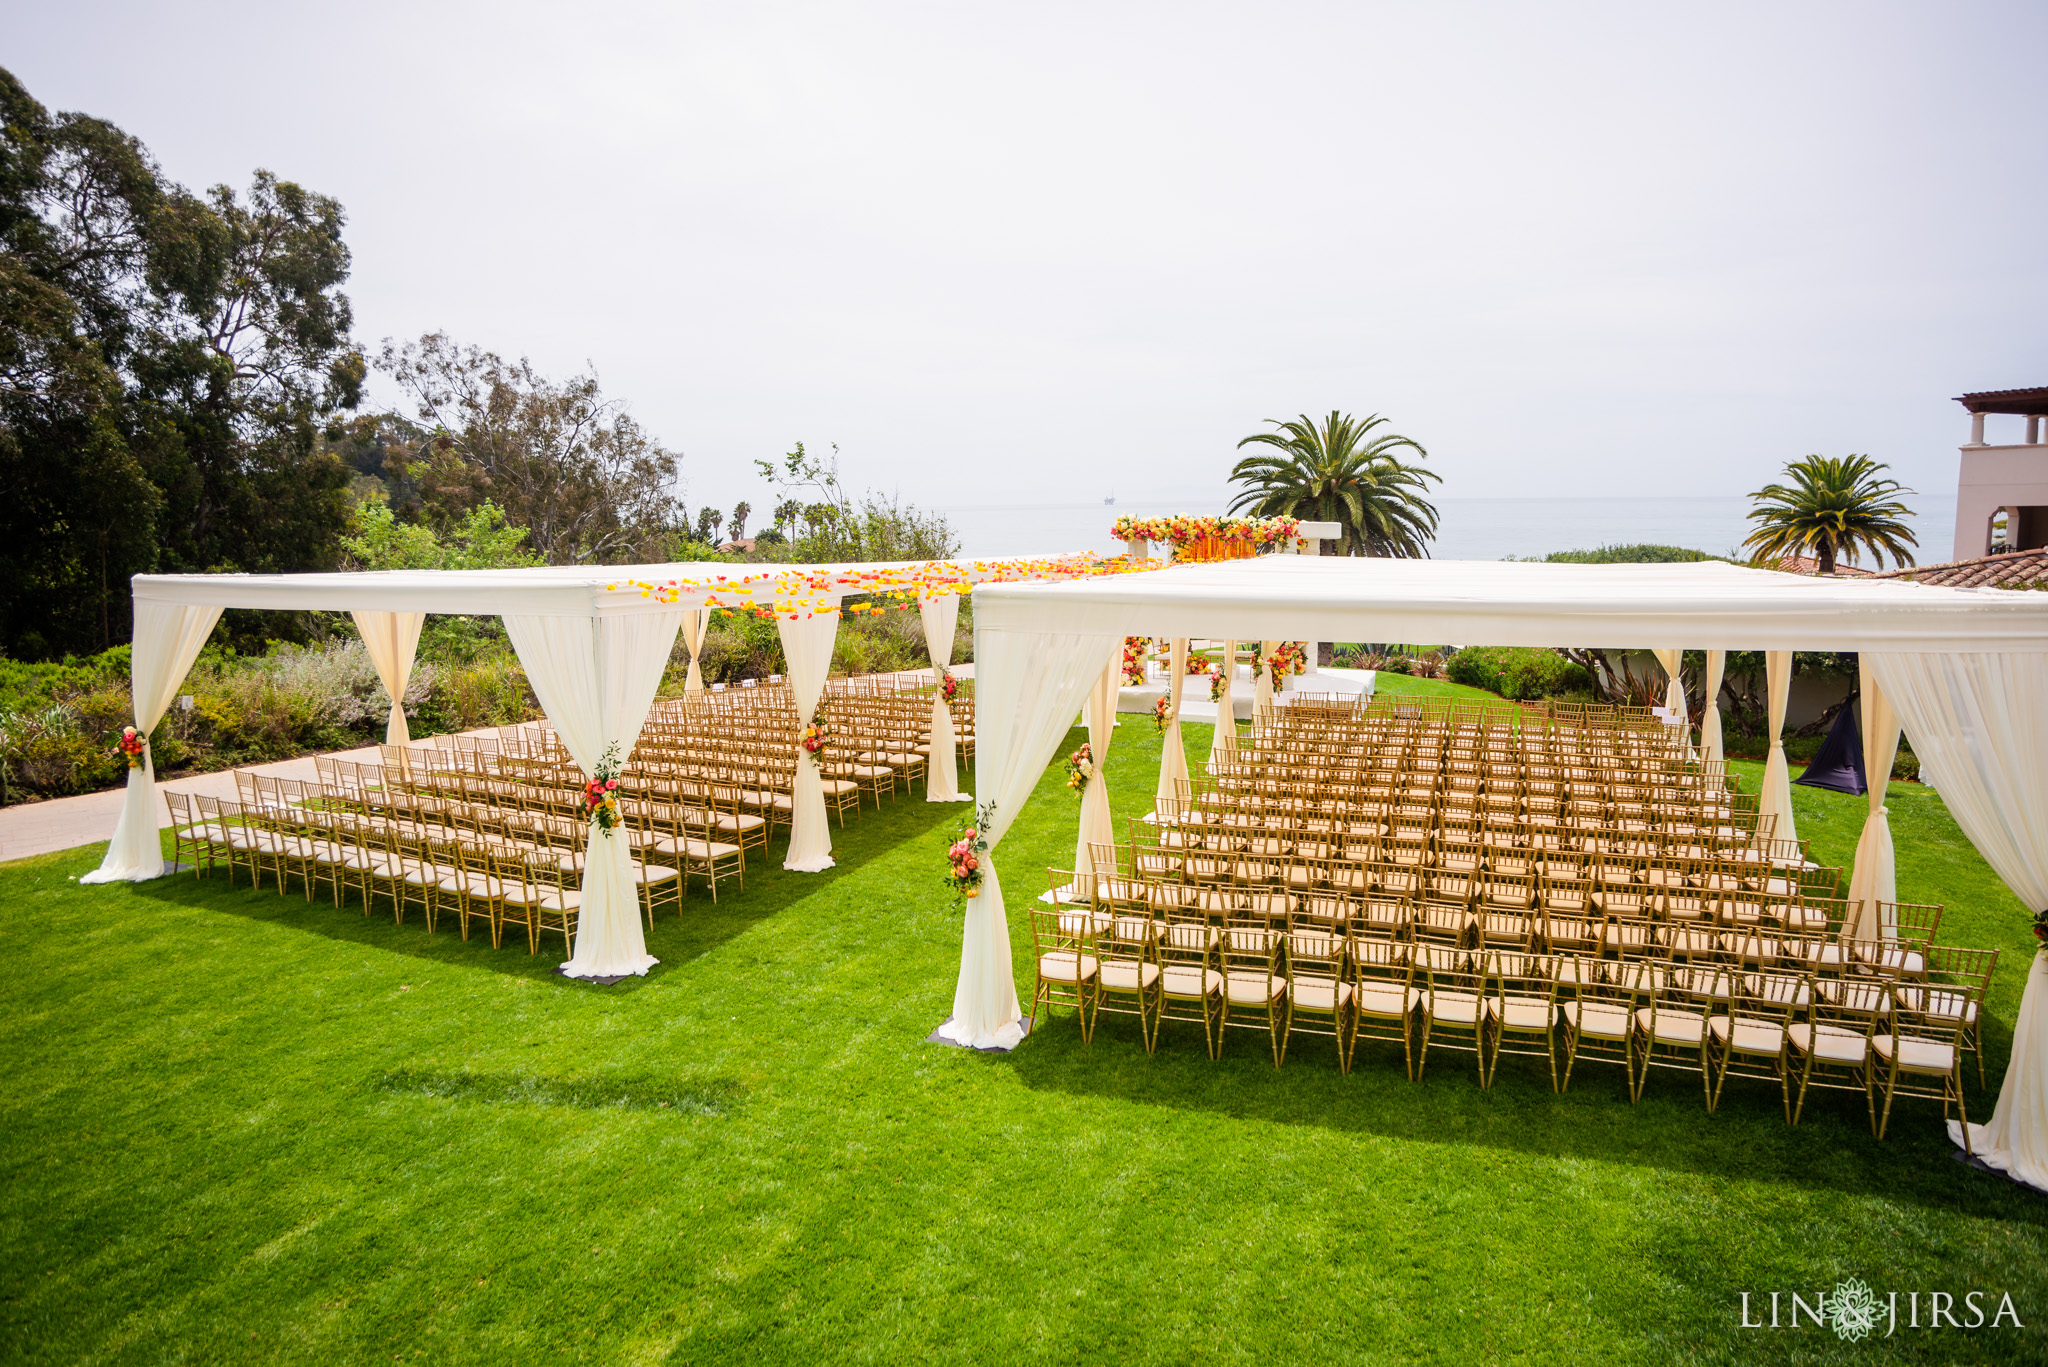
(949, 687)
(1135, 648)
(1080, 768)
(132, 744)
(965, 855)
(1162, 712)
(601, 794)
(1210, 538)
(1290, 657)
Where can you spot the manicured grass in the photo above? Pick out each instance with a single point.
(239, 1128)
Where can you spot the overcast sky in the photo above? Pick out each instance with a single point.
(1033, 250)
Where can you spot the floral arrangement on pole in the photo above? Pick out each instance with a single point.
(2041, 927)
(1135, 649)
(949, 686)
(1289, 657)
(132, 744)
(816, 734)
(1080, 768)
(965, 855)
(1216, 683)
(1162, 713)
(601, 794)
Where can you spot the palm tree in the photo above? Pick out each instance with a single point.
(1341, 473)
(1834, 506)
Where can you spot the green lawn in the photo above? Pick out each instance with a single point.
(238, 1128)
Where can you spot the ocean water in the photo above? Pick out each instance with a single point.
(1469, 529)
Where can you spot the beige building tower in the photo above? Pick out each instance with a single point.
(2000, 479)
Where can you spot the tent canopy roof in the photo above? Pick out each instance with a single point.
(1700, 605)
(566, 590)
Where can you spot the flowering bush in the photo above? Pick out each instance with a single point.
(1134, 658)
(1080, 767)
(601, 794)
(132, 745)
(965, 855)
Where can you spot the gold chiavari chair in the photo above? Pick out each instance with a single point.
(1519, 1011)
(1953, 990)
(1063, 940)
(1450, 988)
(1671, 1024)
(1920, 1054)
(1753, 1039)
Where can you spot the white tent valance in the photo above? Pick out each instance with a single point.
(1705, 605)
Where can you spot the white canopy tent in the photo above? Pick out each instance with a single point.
(594, 641)
(1965, 671)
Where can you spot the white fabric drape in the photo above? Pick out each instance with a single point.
(1262, 683)
(1096, 825)
(1711, 745)
(1875, 876)
(695, 623)
(1173, 755)
(807, 651)
(1028, 687)
(1776, 799)
(393, 639)
(1673, 661)
(595, 678)
(1223, 742)
(1979, 724)
(940, 614)
(168, 638)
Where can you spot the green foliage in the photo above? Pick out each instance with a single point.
(1519, 672)
(816, 521)
(479, 539)
(168, 364)
(1629, 555)
(564, 461)
(1834, 506)
(1339, 472)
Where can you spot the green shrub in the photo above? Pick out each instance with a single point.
(1519, 672)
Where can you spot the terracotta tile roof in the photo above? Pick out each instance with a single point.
(2012, 570)
(1806, 564)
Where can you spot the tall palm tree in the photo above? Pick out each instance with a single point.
(1339, 472)
(1833, 506)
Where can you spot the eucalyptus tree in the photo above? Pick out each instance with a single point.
(1339, 471)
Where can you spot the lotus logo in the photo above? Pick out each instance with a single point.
(1853, 1309)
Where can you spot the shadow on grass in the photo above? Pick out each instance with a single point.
(1746, 1139)
(701, 927)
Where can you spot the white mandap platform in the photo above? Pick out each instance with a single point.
(1195, 704)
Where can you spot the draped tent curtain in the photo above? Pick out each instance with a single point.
(1028, 687)
(1096, 825)
(1262, 682)
(1874, 878)
(393, 639)
(1979, 723)
(1712, 747)
(940, 614)
(1223, 740)
(595, 678)
(807, 652)
(695, 622)
(1776, 799)
(1173, 756)
(168, 638)
(1674, 685)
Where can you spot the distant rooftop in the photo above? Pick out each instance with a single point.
(2025, 402)
(2011, 570)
